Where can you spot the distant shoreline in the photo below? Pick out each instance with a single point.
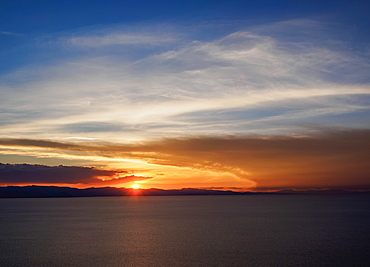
(55, 191)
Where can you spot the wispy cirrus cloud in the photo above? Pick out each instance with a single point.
(251, 80)
(120, 39)
(9, 33)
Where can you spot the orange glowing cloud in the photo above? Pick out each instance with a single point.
(327, 160)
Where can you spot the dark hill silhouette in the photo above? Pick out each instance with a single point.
(55, 191)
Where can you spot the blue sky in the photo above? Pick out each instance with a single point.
(214, 67)
(131, 72)
(46, 16)
(25, 24)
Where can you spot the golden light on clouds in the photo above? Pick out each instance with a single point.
(323, 160)
(247, 108)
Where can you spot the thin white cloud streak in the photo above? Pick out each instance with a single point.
(242, 70)
(119, 39)
(10, 33)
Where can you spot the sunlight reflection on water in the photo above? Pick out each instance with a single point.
(186, 231)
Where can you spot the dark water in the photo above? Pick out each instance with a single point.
(186, 231)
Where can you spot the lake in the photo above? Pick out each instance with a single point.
(251, 230)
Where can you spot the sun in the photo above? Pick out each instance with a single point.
(136, 186)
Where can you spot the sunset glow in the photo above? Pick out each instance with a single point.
(184, 133)
(136, 186)
(227, 102)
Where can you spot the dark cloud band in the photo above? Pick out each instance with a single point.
(42, 174)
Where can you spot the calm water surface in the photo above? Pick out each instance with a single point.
(255, 230)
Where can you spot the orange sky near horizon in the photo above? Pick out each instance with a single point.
(328, 160)
(237, 104)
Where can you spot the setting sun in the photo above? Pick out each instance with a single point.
(136, 186)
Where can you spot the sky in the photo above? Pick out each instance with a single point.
(231, 95)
